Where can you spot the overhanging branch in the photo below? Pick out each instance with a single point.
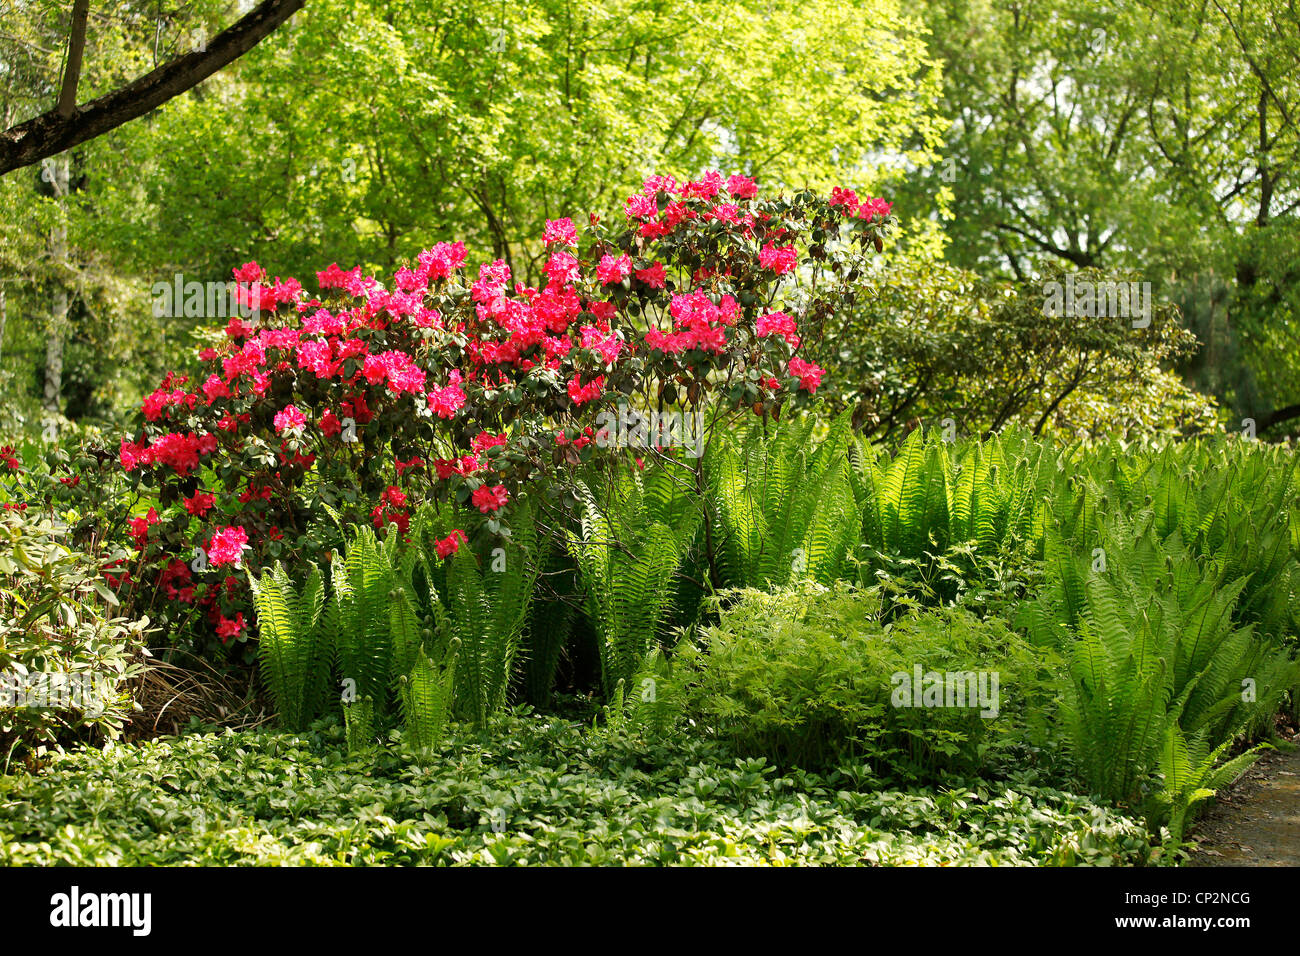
(53, 132)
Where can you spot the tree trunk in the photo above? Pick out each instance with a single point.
(58, 329)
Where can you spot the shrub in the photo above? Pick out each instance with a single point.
(463, 390)
(628, 550)
(782, 506)
(1160, 680)
(809, 676)
(65, 659)
(924, 341)
(432, 623)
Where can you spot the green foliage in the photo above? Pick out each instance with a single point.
(933, 494)
(629, 548)
(359, 724)
(65, 660)
(293, 646)
(1160, 679)
(427, 693)
(535, 791)
(480, 596)
(394, 609)
(359, 619)
(1230, 501)
(550, 621)
(924, 341)
(812, 677)
(1089, 135)
(781, 503)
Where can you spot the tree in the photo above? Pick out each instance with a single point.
(479, 122)
(1155, 136)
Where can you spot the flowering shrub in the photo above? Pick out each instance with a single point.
(455, 385)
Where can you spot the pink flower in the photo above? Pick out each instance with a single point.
(289, 418)
(560, 232)
(614, 268)
(489, 499)
(131, 455)
(229, 627)
(330, 424)
(227, 546)
(581, 394)
(445, 402)
(249, 272)
(808, 374)
(846, 198)
(778, 323)
(442, 260)
(652, 276)
(874, 207)
(335, 278)
(200, 503)
(780, 259)
(215, 388)
(405, 466)
(451, 544)
(607, 345)
(140, 527)
(485, 440)
(706, 187)
(563, 268)
(741, 187)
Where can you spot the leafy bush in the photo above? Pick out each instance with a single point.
(432, 623)
(923, 341)
(628, 551)
(65, 660)
(810, 676)
(782, 504)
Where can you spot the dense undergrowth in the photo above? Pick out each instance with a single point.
(537, 790)
(1139, 629)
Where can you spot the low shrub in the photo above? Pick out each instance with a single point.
(1160, 681)
(811, 676)
(429, 624)
(468, 389)
(65, 659)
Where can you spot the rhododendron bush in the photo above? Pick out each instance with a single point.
(358, 399)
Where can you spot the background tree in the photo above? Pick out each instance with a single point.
(1154, 136)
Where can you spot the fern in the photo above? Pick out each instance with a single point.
(292, 647)
(628, 550)
(427, 693)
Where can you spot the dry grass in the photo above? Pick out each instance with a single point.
(169, 695)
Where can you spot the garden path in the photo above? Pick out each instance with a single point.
(1256, 822)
